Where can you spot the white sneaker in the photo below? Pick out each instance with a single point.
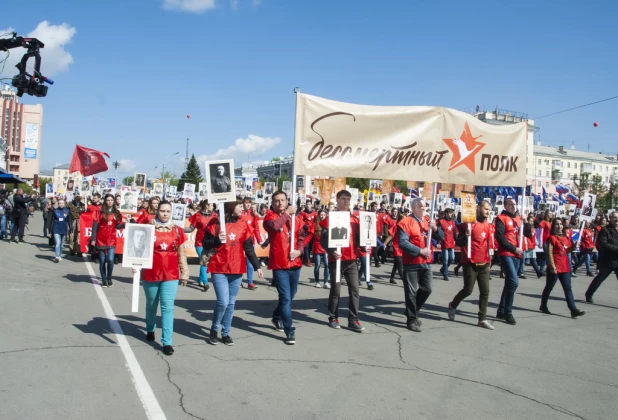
(318, 285)
(59, 259)
(451, 312)
(327, 285)
(485, 324)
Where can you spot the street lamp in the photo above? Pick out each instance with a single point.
(164, 160)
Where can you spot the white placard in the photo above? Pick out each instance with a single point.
(138, 245)
(157, 189)
(588, 207)
(49, 190)
(189, 191)
(368, 233)
(203, 190)
(219, 180)
(178, 214)
(128, 200)
(339, 229)
(140, 180)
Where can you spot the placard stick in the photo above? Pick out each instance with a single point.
(433, 205)
(338, 268)
(221, 217)
(469, 241)
(367, 263)
(581, 230)
(135, 295)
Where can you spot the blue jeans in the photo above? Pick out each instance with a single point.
(448, 255)
(584, 257)
(510, 266)
(3, 232)
(226, 288)
(164, 292)
(543, 259)
(286, 282)
(249, 271)
(106, 263)
(362, 270)
(317, 260)
(58, 241)
(565, 281)
(203, 269)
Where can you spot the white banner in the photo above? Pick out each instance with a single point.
(420, 143)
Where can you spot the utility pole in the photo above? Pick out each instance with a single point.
(116, 165)
(187, 156)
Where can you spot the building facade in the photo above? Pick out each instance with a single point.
(61, 176)
(21, 128)
(273, 170)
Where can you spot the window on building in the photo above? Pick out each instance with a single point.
(575, 165)
(546, 173)
(594, 167)
(607, 169)
(539, 172)
(547, 185)
(540, 184)
(568, 164)
(539, 161)
(546, 162)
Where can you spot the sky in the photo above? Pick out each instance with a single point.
(128, 73)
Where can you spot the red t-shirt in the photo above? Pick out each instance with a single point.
(165, 263)
(199, 221)
(230, 256)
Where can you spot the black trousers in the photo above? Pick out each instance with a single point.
(19, 224)
(604, 273)
(417, 288)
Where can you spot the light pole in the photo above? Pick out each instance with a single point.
(164, 160)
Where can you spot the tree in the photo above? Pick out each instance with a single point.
(171, 177)
(282, 178)
(128, 180)
(582, 187)
(193, 174)
(43, 181)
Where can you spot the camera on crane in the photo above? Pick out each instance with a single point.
(31, 84)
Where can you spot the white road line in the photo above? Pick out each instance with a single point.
(149, 401)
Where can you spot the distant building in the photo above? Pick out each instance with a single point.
(273, 170)
(61, 176)
(21, 128)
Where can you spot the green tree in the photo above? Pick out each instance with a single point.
(43, 181)
(581, 185)
(27, 188)
(282, 178)
(361, 183)
(193, 174)
(171, 177)
(127, 180)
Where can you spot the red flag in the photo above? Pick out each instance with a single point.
(87, 161)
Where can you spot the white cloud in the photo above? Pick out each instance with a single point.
(252, 147)
(193, 6)
(54, 58)
(126, 165)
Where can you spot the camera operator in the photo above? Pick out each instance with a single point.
(20, 214)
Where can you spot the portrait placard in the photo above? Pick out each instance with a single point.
(219, 180)
(178, 214)
(157, 189)
(140, 180)
(499, 200)
(269, 188)
(189, 191)
(370, 196)
(397, 199)
(368, 233)
(138, 245)
(49, 190)
(468, 207)
(259, 196)
(85, 187)
(171, 190)
(375, 184)
(203, 193)
(128, 200)
(588, 205)
(338, 229)
(287, 188)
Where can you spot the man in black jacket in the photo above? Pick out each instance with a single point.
(20, 215)
(608, 255)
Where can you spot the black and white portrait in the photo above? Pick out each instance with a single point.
(588, 204)
(171, 190)
(189, 191)
(300, 181)
(85, 186)
(178, 214)
(384, 199)
(287, 188)
(157, 189)
(499, 200)
(370, 196)
(338, 229)
(368, 232)
(315, 192)
(397, 199)
(269, 188)
(138, 245)
(220, 180)
(259, 196)
(375, 184)
(553, 206)
(70, 184)
(49, 190)
(140, 180)
(128, 201)
(203, 194)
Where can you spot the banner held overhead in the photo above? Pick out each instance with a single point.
(419, 143)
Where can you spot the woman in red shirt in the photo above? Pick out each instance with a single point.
(103, 238)
(227, 265)
(586, 246)
(545, 226)
(319, 253)
(199, 221)
(169, 265)
(146, 216)
(558, 248)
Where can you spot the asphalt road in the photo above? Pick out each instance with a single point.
(61, 358)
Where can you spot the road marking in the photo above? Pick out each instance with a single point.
(149, 401)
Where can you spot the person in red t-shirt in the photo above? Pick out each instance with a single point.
(309, 216)
(198, 222)
(319, 253)
(104, 238)
(251, 218)
(397, 254)
(475, 268)
(545, 226)
(449, 228)
(348, 267)
(586, 247)
(145, 216)
(284, 261)
(233, 248)
(559, 246)
(160, 283)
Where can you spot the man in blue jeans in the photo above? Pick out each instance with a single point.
(508, 225)
(284, 259)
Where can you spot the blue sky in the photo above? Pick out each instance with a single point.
(138, 68)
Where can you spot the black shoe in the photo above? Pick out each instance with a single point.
(545, 310)
(14, 240)
(370, 286)
(377, 265)
(150, 336)
(574, 271)
(227, 340)
(445, 278)
(509, 319)
(290, 339)
(499, 315)
(576, 313)
(501, 275)
(393, 281)
(205, 287)
(523, 277)
(539, 274)
(414, 326)
(110, 283)
(212, 338)
(277, 324)
(103, 283)
(589, 274)
(456, 270)
(168, 350)
(589, 299)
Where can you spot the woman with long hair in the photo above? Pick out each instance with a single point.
(319, 253)
(148, 215)
(228, 265)
(169, 266)
(60, 222)
(199, 221)
(104, 237)
(545, 225)
(558, 269)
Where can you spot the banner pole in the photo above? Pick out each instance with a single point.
(521, 217)
(433, 206)
(292, 242)
(338, 267)
(469, 241)
(367, 263)
(579, 237)
(221, 217)
(135, 293)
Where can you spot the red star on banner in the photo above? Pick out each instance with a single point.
(464, 149)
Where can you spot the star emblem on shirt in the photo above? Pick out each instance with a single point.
(483, 235)
(450, 227)
(109, 223)
(232, 236)
(163, 246)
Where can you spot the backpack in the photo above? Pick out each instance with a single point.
(5, 207)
